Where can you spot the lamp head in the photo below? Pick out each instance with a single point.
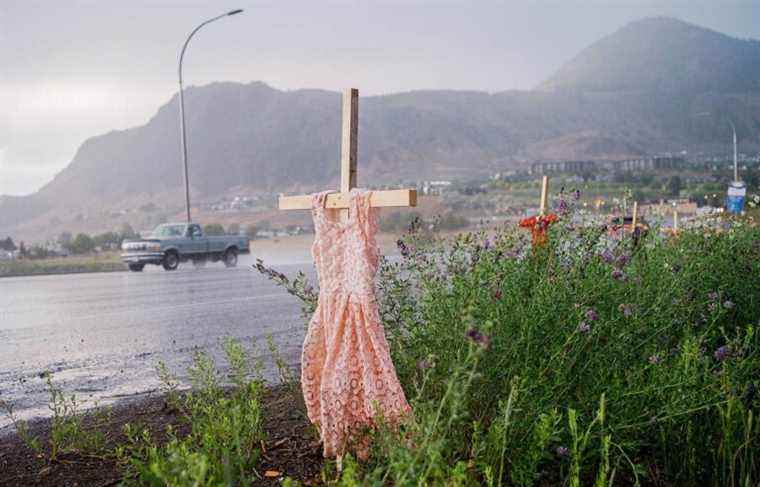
(234, 12)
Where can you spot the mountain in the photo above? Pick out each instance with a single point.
(663, 54)
(635, 92)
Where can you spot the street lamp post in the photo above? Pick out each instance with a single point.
(736, 164)
(182, 107)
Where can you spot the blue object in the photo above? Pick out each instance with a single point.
(735, 197)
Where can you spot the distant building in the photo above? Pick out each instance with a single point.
(435, 187)
(593, 167)
(648, 164)
(571, 167)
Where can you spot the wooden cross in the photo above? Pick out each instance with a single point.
(348, 172)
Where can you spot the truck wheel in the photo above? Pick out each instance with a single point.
(230, 258)
(171, 261)
(136, 267)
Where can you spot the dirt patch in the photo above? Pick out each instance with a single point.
(291, 448)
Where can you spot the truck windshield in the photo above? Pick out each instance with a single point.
(168, 230)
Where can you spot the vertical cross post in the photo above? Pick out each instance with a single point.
(349, 142)
(635, 215)
(544, 191)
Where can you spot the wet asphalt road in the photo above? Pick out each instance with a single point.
(101, 335)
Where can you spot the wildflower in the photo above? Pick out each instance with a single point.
(402, 247)
(728, 304)
(424, 364)
(622, 260)
(712, 307)
(562, 451)
(655, 359)
(722, 353)
(712, 296)
(584, 327)
(618, 275)
(625, 309)
(487, 244)
(538, 226)
(562, 207)
(591, 314)
(577, 194)
(497, 294)
(478, 337)
(608, 257)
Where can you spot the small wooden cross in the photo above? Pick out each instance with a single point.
(348, 173)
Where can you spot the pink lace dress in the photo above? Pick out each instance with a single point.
(347, 375)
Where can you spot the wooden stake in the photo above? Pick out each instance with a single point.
(544, 191)
(675, 221)
(635, 215)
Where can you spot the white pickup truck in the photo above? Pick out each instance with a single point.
(172, 243)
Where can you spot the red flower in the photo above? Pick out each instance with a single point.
(538, 226)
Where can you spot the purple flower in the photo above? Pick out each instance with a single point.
(562, 206)
(622, 260)
(577, 194)
(591, 314)
(562, 451)
(618, 275)
(728, 304)
(722, 353)
(655, 359)
(608, 257)
(712, 296)
(487, 245)
(402, 247)
(584, 327)
(478, 337)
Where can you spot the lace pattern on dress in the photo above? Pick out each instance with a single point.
(347, 374)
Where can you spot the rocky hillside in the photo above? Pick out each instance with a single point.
(634, 92)
(663, 54)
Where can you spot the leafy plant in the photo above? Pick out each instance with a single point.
(602, 356)
(223, 445)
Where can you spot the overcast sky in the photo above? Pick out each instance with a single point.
(73, 69)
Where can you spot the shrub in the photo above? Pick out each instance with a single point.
(223, 446)
(594, 359)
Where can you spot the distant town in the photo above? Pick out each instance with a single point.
(660, 184)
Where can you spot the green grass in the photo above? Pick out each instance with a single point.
(107, 262)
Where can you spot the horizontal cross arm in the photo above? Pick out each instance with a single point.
(379, 199)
